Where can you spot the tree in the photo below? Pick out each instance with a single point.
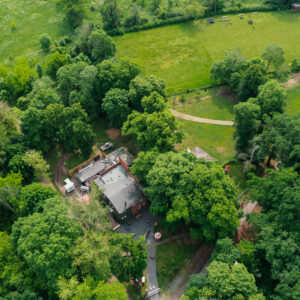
(225, 252)
(101, 46)
(246, 249)
(92, 217)
(232, 64)
(26, 295)
(160, 130)
(280, 139)
(55, 61)
(271, 98)
(143, 164)
(214, 5)
(154, 103)
(43, 98)
(91, 254)
(74, 11)
(44, 241)
(72, 289)
(19, 81)
(128, 258)
(13, 272)
(113, 73)
(45, 42)
(134, 17)
(142, 86)
(274, 56)
(246, 124)
(111, 14)
(194, 192)
(35, 159)
(33, 196)
(194, 10)
(115, 105)
(230, 283)
(253, 77)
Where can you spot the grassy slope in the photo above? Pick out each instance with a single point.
(182, 54)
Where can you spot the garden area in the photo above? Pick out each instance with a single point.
(182, 54)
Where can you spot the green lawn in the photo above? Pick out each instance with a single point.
(182, 54)
(216, 140)
(170, 258)
(293, 100)
(32, 18)
(210, 104)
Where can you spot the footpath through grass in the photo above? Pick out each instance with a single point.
(182, 54)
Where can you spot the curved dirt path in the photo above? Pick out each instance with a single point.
(200, 120)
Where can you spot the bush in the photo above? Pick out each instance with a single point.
(45, 42)
(13, 26)
(295, 67)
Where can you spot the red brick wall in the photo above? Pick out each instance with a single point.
(138, 206)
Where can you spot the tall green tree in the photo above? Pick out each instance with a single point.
(157, 130)
(115, 105)
(55, 61)
(44, 241)
(74, 10)
(128, 258)
(111, 14)
(274, 56)
(246, 123)
(154, 103)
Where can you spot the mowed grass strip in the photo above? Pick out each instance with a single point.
(216, 140)
(182, 54)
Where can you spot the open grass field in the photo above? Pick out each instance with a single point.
(32, 18)
(182, 54)
(214, 104)
(293, 100)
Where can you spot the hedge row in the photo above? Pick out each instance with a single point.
(182, 19)
(187, 91)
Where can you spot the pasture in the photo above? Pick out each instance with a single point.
(182, 54)
(293, 100)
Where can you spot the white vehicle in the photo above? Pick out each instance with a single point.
(69, 185)
(84, 188)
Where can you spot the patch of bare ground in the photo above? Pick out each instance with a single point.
(113, 133)
(229, 95)
(220, 149)
(293, 81)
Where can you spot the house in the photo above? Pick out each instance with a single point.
(93, 169)
(87, 174)
(121, 190)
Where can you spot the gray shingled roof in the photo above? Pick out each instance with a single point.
(123, 191)
(94, 169)
(123, 154)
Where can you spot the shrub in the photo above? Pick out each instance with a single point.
(45, 42)
(295, 67)
(13, 26)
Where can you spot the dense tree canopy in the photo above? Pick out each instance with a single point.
(128, 258)
(194, 192)
(111, 14)
(44, 241)
(273, 55)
